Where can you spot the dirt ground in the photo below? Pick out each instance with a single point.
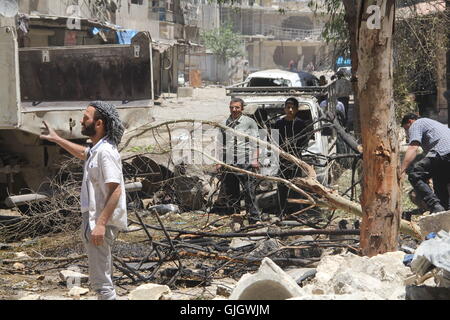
(41, 280)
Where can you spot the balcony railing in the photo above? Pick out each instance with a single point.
(292, 34)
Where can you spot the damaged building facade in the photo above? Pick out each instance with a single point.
(276, 33)
(174, 27)
(273, 34)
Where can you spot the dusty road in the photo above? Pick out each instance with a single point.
(206, 104)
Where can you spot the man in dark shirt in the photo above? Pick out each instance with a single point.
(434, 138)
(292, 139)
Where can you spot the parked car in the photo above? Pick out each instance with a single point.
(281, 78)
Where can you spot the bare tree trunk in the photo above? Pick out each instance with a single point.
(381, 184)
(352, 18)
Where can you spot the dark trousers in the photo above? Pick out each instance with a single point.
(438, 169)
(287, 171)
(232, 182)
(346, 102)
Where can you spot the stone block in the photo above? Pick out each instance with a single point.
(77, 291)
(269, 283)
(149, 291)
(185, 92)
(70, 276)
(434, 223)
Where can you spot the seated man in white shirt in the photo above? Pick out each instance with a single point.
(103, 199)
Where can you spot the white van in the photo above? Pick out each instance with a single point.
(280, 78)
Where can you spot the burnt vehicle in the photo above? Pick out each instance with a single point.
(55, 84)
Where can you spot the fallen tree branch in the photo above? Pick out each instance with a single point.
(256, 261)
(45, 259)
(258, 234)
(330, 198)
(335, 201)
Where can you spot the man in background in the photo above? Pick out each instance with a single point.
(434, 138)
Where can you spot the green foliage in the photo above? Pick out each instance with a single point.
(420, 43)
(223, 42)
(336, 30)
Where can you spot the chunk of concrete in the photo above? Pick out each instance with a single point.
(18, 266)
(269, 283)
(21, 255)
(434, 223)
(237, 243)
(432, 252)
(72, 276)
(185, 92)
(77, 291)
(348, 274)
(149, 291)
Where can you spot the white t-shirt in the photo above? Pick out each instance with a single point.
(339, 106)
(103, 166)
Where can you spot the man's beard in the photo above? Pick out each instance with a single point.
(88, 131)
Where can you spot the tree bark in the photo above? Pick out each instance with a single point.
(381, 182)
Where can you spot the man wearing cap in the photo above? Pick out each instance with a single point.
(292, 138)
(434, 138)
(103, 200)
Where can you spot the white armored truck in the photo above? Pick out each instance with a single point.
(56, 84)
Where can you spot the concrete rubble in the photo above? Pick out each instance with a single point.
(434, 223)
(149, 291)
(339, 277)
(432, 253)
(431, 262)
(77, 291)
(269, 283)
(348, 276)
(22, 255)
(70, 276)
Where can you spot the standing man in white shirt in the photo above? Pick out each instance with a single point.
(103, 199)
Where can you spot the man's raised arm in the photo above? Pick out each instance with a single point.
(74, 149)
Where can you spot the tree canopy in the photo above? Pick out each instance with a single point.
(223, 42)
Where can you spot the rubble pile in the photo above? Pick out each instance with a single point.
(348, 276)
(431, 267)
(339, 277)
